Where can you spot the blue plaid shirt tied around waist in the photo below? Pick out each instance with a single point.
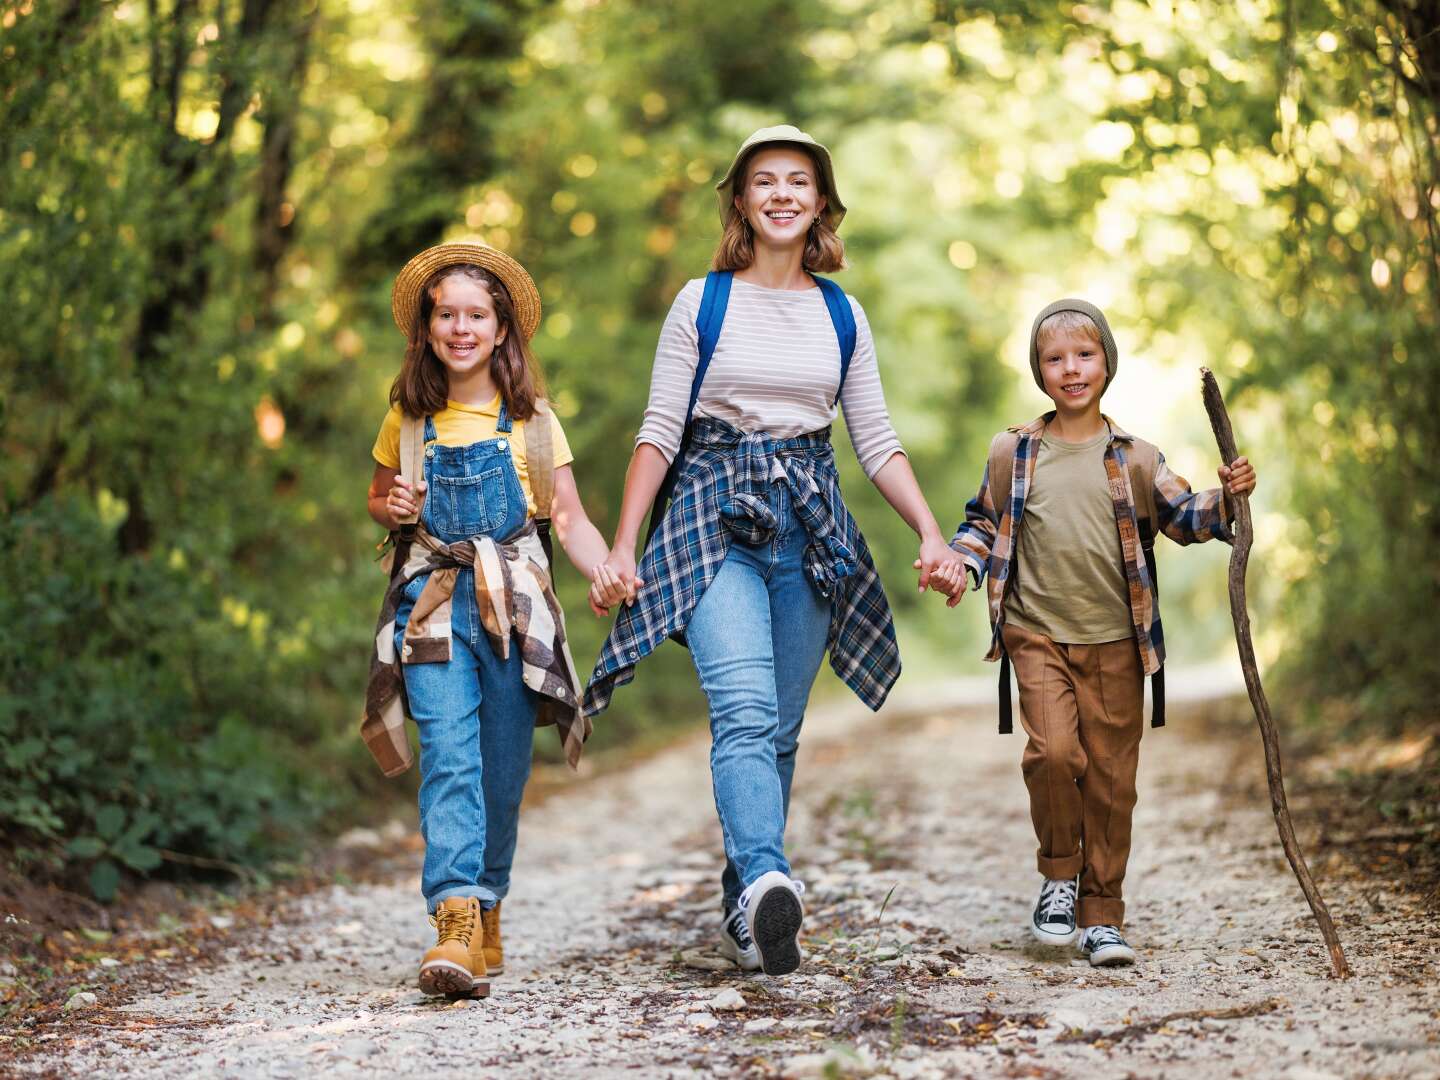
(722, 495)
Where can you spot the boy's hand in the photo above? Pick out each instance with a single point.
(402, 499)
(949, 579)
(1238, 478)
(934, 555)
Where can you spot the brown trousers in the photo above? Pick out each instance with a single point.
(1083, 708)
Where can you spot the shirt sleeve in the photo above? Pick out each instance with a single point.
(386, 450)
(863, 400)
(676, 357)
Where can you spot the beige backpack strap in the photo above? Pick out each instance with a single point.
(1001, 469)
(412, 460)
(540, 458)
(1144, 460)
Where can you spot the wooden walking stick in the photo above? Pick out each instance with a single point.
(1239, 558)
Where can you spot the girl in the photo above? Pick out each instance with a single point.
(473, 568)
(757, 560)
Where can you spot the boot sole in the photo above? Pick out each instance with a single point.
(441, 977)
(1112, 957)
(778, 916)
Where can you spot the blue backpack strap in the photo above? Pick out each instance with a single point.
(843, 319)
(708, 322)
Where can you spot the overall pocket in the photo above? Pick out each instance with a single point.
(470, 505)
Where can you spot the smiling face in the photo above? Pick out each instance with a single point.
(781, 197)
(1072, 366)
(464, 328)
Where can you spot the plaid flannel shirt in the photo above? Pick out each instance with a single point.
(987, 538)
(720, 496)
(513, 591)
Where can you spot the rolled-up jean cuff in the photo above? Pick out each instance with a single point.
(1060, 869)
(1100, 911)
(485, 896)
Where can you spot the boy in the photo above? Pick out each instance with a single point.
(1073, 606)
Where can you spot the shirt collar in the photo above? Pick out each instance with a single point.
(1036, 426)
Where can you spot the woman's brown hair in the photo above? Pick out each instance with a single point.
(422, 387)
(824, 250)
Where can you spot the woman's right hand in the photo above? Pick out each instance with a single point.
(621, 563)
(403, 499)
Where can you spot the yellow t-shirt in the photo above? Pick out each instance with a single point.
(460, 425)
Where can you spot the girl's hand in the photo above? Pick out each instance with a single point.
(949, 579)
(403, 500)
(1238, 478)
(606, 589)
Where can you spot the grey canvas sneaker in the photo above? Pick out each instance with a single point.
(736, 942)
(1053, 920)
(1104, 947)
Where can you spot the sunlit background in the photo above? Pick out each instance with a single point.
(202, 210)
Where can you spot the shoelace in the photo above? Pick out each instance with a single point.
(1057, 898)
(1096, 936)
(454, 925)
(736, 928)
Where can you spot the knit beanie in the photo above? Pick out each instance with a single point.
(1095, 315)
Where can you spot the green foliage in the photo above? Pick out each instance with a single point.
(202, 206)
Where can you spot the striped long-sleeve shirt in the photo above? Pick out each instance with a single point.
(776, 369)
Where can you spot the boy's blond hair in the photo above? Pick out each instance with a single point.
(1066, 322)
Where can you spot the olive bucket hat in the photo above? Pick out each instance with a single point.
(780, 135)
(405, 297)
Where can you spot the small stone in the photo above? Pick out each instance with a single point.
(1070, 1019)
(763, 1023)
(705, 961)
(728, 1000)
(703, 1021)
(83, 1000)
(109, 962)
(459, 1003)
(221, 922)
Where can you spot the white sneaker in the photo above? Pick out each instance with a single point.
(773, 914)
(736, 942)
(1053, 920)
(1104, 947)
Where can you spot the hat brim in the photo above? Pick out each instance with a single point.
(834, 207)
(405, 296)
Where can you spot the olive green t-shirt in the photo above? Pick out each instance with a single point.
(1069, 579)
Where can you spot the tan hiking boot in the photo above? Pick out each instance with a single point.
(494, 951)
(456, 965)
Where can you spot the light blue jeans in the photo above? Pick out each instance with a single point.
(477, 724)
(757, 637)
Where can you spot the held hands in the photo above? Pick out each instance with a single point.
(612, 581)
(403, 499)
(1238, 478)
(941, 569)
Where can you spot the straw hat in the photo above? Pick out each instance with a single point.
(405, 296)
(782, 134)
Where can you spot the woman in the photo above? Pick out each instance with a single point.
(756, 561)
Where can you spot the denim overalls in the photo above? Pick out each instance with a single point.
(475, 714)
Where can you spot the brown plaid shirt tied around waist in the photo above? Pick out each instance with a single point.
(513, 591)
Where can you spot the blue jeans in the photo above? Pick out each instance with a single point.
(757, 637)
(477, 722)
(475, 714)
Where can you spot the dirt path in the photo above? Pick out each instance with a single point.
(614, 911)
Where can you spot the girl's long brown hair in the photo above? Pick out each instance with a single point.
(824, 250)
(423, 385)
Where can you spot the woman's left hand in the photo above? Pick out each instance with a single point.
(606, 589)
(1238, 477)
(934, 554)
